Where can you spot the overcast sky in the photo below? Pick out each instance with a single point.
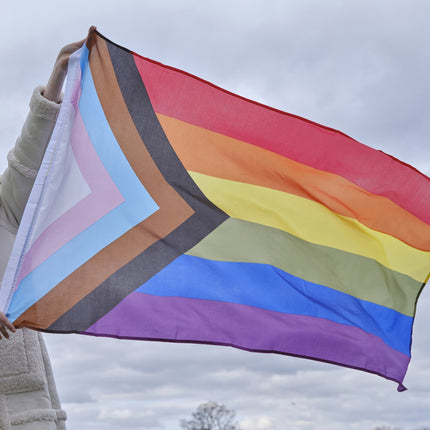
(359, 66)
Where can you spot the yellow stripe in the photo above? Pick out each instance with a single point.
(312, 222)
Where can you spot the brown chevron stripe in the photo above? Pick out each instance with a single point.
(173, 209)
(152, 259)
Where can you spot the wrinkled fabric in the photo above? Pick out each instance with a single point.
(28, 396)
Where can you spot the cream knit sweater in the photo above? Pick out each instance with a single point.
(28, 397)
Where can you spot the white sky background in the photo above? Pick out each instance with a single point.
(360, 66)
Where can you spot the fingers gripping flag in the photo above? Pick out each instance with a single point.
(169, 209)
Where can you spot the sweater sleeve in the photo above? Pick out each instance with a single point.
(25, 158)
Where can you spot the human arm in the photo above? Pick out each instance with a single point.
(25, 158)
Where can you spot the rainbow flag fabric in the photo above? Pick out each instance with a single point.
(169, 209)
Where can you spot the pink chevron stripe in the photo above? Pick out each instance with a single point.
(104, 197)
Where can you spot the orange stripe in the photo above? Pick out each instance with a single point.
(214, 154)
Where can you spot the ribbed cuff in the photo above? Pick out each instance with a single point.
(21, 168)
(42, 107)
(38, 415)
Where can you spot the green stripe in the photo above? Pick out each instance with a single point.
(361, 277)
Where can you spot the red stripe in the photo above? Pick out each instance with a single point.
(190, 99)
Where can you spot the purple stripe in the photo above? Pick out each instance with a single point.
(143, 316)
(104, 197)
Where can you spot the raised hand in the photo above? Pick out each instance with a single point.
(5, 325)
(55, 83)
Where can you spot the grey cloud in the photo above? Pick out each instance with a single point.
(360, 67)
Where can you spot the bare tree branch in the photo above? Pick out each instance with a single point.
(211, 416)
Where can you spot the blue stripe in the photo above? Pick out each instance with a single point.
(138, 206)
(267, 287)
